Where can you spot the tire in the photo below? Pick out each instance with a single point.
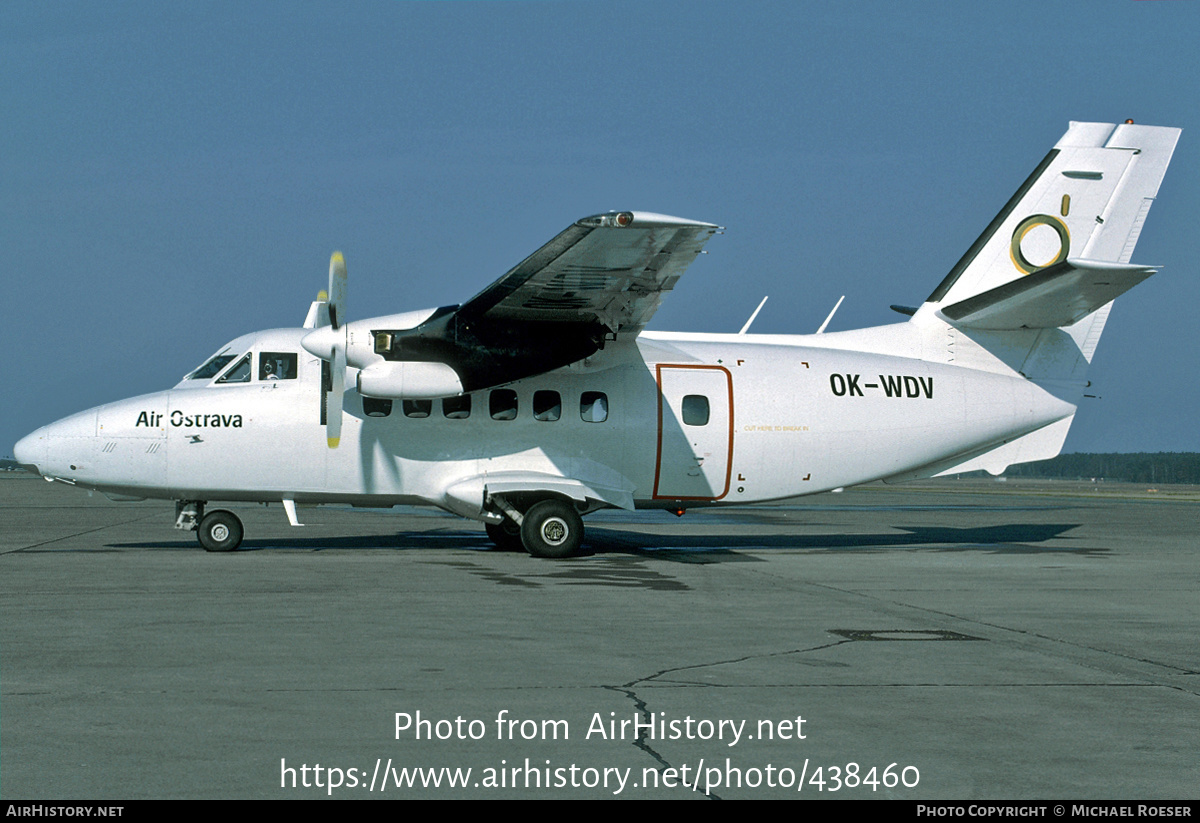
(506, 536)
(220, 531)
(553, 529)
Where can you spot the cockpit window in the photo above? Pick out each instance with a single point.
(277, 365)
(212, 368)
(239, 373)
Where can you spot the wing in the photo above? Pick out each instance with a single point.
(603, 277)
(611, 269)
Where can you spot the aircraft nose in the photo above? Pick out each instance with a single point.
(59, 449)
(30, 450)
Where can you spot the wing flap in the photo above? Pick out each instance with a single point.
(603, 277)
(1050, 298)
(610, 268)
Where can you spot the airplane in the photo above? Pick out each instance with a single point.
(543, 398)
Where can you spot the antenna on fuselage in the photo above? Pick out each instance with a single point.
(831, 314)
(746, 327)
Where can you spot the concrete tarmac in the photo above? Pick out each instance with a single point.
(946, 641)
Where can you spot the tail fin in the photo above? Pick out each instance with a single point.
(1059, 251)
(1033, 293)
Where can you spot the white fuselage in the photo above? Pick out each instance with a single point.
(673, 421)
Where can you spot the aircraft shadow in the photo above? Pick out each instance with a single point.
(1016, 538)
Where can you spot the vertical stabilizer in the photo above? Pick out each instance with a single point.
(1087, 200)
(1032, 295)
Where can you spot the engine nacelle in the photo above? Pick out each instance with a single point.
(401, 380)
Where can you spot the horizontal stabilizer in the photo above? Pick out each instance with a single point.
(1049, 298)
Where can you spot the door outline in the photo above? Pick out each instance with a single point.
(659, 368)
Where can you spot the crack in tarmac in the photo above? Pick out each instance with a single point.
(77, 534)
(641, 706)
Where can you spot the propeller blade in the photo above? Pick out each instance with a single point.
(333, 425)
(337, 290)
(330, 343)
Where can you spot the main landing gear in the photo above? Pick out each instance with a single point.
(217, 531)
(549, 528)
(506, 535)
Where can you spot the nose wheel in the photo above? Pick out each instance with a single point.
(220, 531)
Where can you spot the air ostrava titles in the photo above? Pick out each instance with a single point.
(190, 421)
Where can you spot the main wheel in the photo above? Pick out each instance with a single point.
(220, 531)
(506, 536)
(552, 528)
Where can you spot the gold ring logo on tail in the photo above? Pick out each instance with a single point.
(1034, 237)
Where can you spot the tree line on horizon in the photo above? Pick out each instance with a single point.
(1140, 467)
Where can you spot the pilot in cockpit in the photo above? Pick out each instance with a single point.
(276, 366)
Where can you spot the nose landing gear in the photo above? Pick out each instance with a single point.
(217, 531)
(220, 531)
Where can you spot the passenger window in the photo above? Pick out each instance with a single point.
(547, 405)
(593, 406)
(417, 408)
(377, 406)
(239, 373)
(502, 403)
(275, 365)
(695, 410)
(457, 408)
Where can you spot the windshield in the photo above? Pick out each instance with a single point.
(211, 368)
(239, 373)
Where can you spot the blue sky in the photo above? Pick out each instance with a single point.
(174, 175)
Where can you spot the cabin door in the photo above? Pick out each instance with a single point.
(695, 432)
